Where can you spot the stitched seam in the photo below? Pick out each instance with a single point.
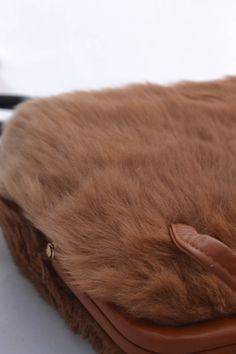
(210, 257)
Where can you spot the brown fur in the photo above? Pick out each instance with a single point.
(27, 246)
(103, 174)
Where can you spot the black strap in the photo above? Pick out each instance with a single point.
(10, 101)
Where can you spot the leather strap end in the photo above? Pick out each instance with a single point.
(213, 254)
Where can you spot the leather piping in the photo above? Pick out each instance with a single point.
(136, 336)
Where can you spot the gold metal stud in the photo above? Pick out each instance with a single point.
(50, 250)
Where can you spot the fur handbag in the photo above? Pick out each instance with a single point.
(120, 207)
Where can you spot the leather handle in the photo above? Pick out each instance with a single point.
(210, 252)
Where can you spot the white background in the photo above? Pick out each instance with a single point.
(51, 46)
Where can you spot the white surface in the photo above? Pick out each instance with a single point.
(51, 46)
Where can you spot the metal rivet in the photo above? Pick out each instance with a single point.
(50, 250)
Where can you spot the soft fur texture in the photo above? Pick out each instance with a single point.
(27, 247)
(103, 174)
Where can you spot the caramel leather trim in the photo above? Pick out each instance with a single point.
(136, 336)
(212, 253)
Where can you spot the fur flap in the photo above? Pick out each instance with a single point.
(103, 174)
